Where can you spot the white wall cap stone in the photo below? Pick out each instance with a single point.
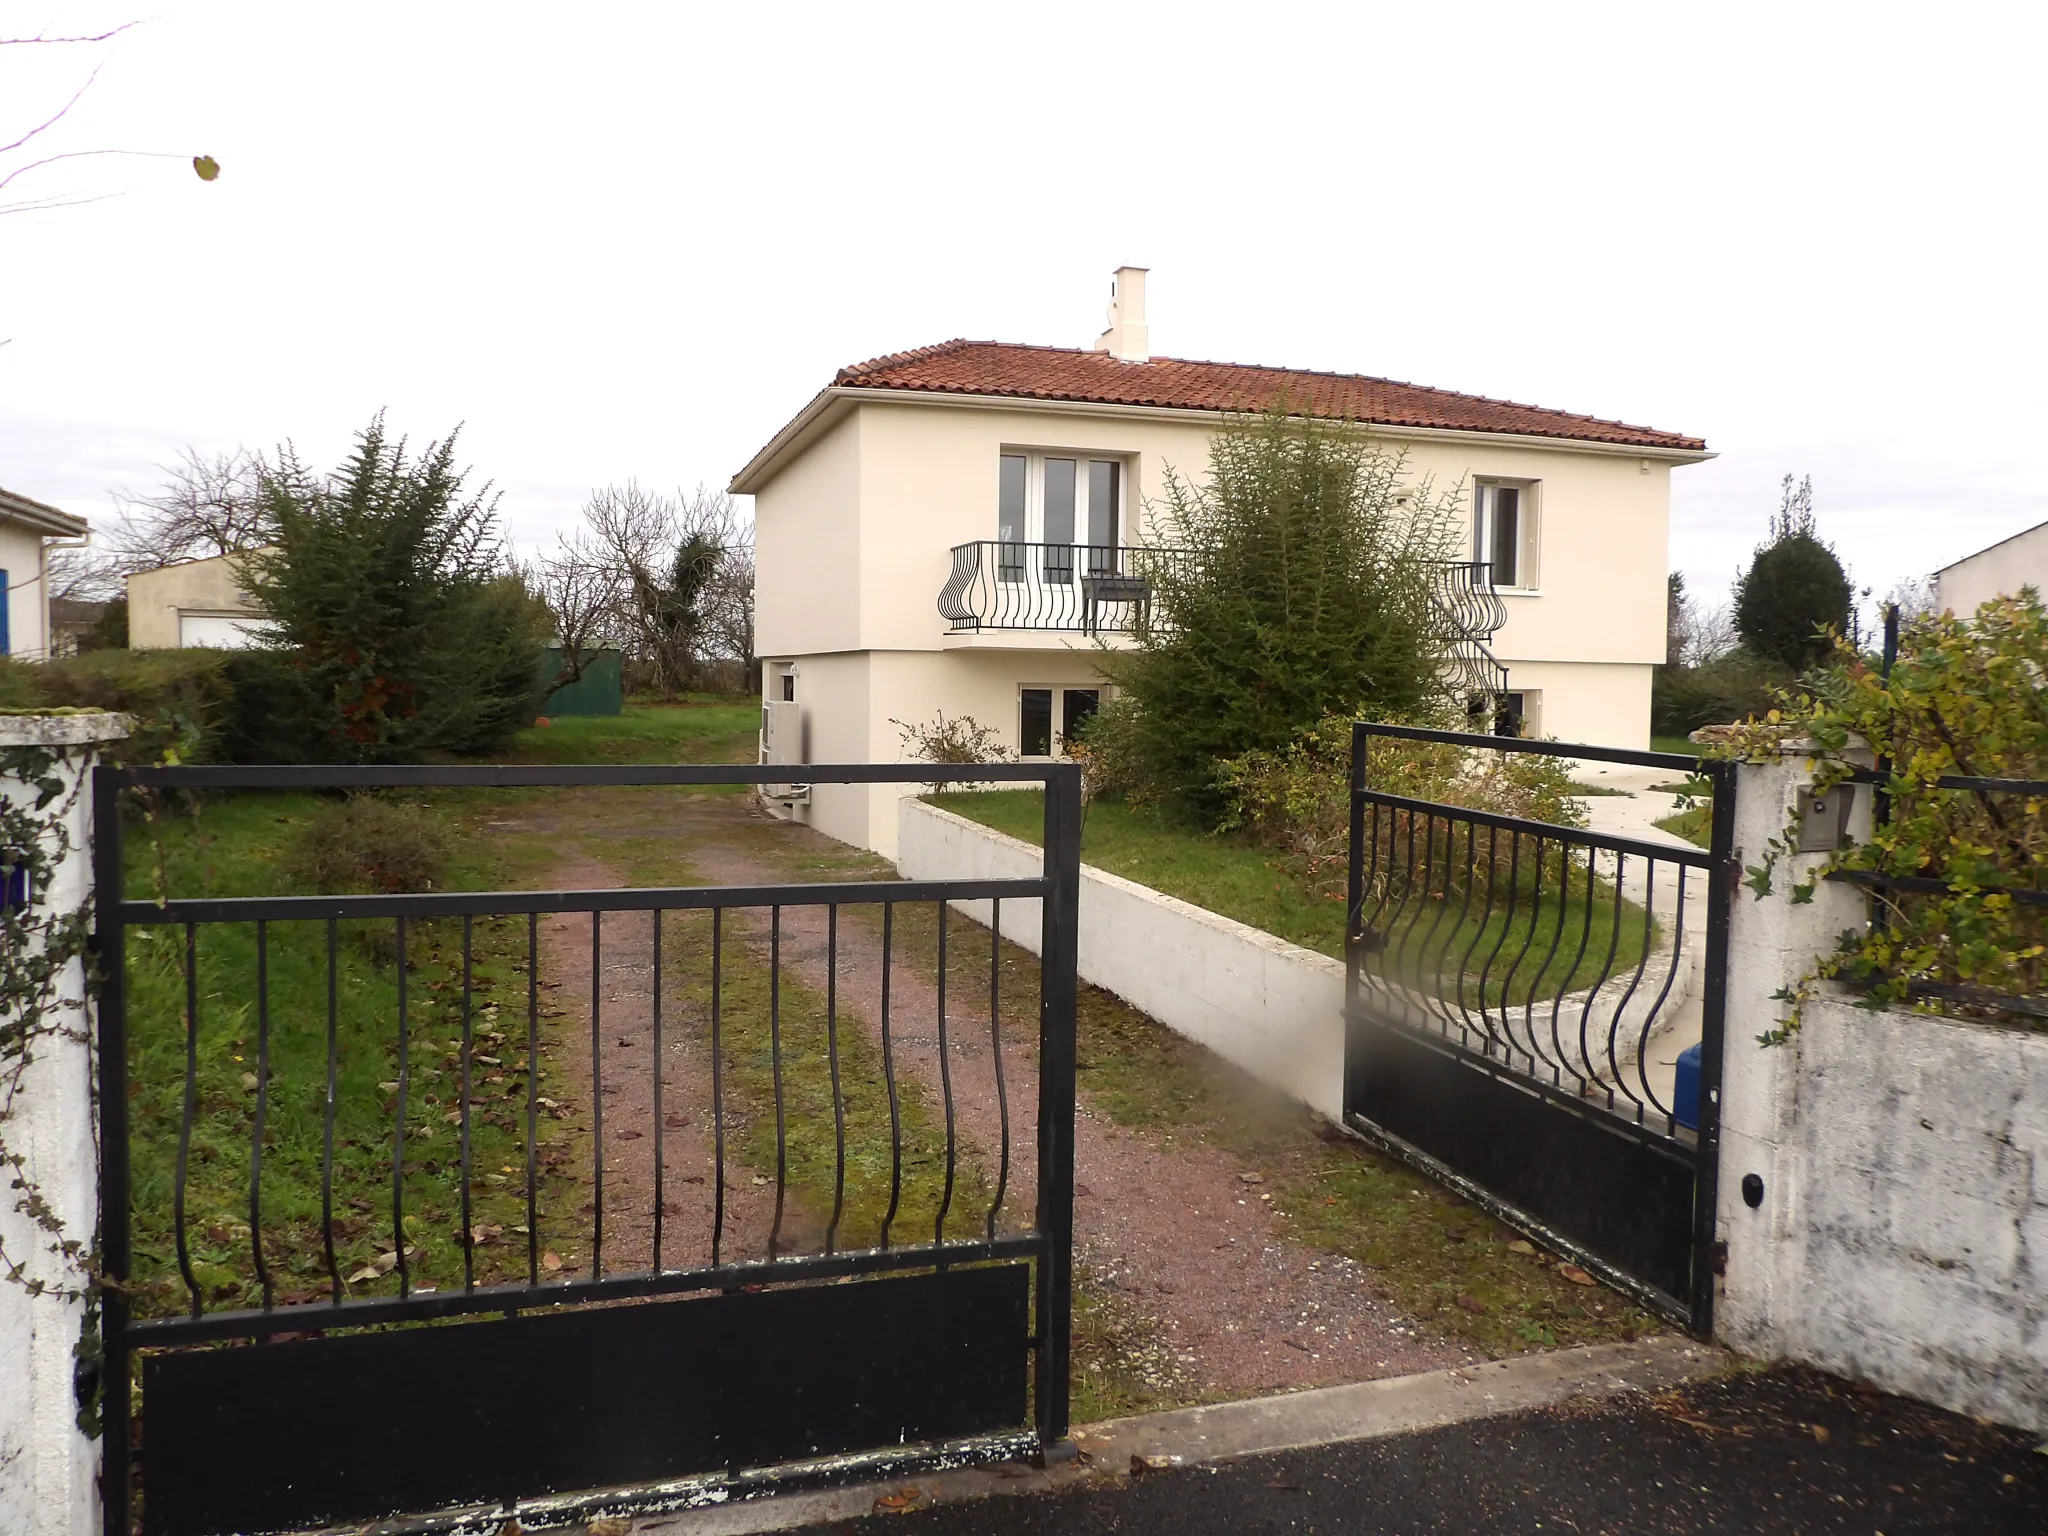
(63, 727)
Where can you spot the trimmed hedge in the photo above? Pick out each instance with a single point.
(204, 705)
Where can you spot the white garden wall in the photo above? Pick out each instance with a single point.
(1271, 1007)
(1901, 1234)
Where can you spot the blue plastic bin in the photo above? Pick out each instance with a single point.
(1685, 1089)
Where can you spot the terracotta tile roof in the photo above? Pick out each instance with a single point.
(1060, 373)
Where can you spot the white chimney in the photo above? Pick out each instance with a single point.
(1126, 339)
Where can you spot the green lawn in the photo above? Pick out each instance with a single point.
(1218, 872)
(722, 731)
(232, 845)
(232, 848)
(1679, 744)
(1695, 825)
(1529, 950)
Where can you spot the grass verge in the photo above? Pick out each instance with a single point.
(1695, 825)
(1524, 950)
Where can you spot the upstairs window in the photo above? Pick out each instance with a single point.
(1503, 531)
(1063, 502)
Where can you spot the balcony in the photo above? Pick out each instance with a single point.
(1106, 589)
(1088, 589)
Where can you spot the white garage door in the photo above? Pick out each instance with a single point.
(221, 631)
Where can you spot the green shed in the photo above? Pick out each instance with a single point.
(599, 691)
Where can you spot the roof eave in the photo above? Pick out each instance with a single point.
(43, 518)
(824, 408)
(763, 467)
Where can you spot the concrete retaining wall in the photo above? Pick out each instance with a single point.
(1271, 1007)
(1904, 1234)
(1902, 1231)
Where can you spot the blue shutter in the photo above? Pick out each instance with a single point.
(6, 643)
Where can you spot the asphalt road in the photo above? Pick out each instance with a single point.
(1786, 1451)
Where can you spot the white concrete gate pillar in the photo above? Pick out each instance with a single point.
(49, 1168)
(1773, 942)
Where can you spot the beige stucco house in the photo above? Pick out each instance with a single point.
(28, 531)
(954, 528)
(193, 603)
(2000, 571)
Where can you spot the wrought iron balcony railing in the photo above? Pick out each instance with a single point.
(1090, 588)
(1470, 609)
(1093, 588)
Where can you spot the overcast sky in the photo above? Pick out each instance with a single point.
(631, 240)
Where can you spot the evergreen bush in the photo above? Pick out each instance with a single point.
(1302, 588)
(1795, 594)
(388, 588)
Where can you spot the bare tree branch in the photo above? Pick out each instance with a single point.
(100, 37)
(55, 117)
(206, 505)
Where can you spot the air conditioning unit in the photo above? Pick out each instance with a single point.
(782, 741)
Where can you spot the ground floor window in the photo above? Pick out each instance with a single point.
(1034, 735)
(1076, 705)
(1038, 708)
(1506, 714)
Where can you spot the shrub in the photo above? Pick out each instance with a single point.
(180, 698)
(271, 716)
(1795, 592)
(1729, 688)
(955, 739)
(1302, 588)
(367, 845)
(1962, 699)
(1297, 801)
(386, 580)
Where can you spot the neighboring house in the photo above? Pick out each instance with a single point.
(72, 622)
(954, 528)
(195, 602)
(2020, 561)
(28, 529)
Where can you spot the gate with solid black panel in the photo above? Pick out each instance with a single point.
(286, 1382)
(1513, 987)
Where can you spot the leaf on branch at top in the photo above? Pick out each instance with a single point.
(206, 166)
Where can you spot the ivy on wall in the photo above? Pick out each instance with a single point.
(1965, 698)
(42, 996)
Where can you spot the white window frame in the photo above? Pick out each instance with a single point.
(1034, 492)
(1528, 567)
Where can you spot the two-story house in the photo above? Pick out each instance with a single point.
(958, 528)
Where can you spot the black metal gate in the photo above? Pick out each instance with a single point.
(1507, 982)
(518, 1385)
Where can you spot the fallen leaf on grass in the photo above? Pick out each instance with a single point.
(389, 1087)
(608, 1525)
(675, 1122)
(1140, 1465)
(1252, 1178)
(484, 1231)
(1526, 1249)
(897, 1502)
(1471, 1304)
(380, 1266)
(628, 1136)
(249, 1082)
(1576, 1275)
(1820, 1433)
(551, 1261)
